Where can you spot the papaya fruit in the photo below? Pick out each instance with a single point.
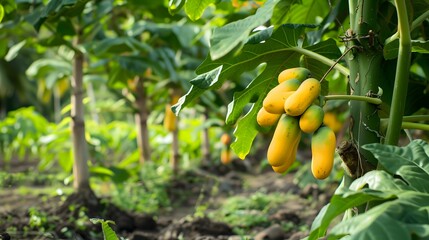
(303, 97)
(331, 120)
(266, 119)
(225, 139)
(323, 144)
(283, 168)
(285, 139)
(225, 155)
(311, 119)
(299, 73)
(276, 97)
(170, 119)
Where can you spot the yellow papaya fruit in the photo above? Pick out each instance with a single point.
(331, 120)
(225, 156)
(323, 144)
(276, 97)
(285, 139)
(225, 139)
(303, 97)
(299, 73)
(311, 119)
(169, 119)
(266, 119)
(283, 168)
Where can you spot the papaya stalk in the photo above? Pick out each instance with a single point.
(364, 63)
(401, 77)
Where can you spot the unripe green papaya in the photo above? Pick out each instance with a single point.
(266, 119)
(303, 97)
(323, 144)
(276, 97)
(285, 139)
(299, 73)
(311, 119)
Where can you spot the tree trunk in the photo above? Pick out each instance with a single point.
(206, 142)
(365, 62)
(175, 156)
(80, 149)
(141, 122)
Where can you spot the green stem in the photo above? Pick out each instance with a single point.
(411, 125)
(375, 101)
(414, 25)
(402, 74)
(413, 118)
(345, 71)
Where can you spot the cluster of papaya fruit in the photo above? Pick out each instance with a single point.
(293, 106)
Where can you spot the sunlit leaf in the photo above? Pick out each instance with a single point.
(195, 8)
(1, 12)
(234, 34)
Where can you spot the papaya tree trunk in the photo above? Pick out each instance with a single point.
(141, 122)
(365, 62)
(175, 155)
(80, 148)
(206, 142)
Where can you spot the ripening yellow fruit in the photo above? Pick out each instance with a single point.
(323, 143)
(283, 168)
(303, 97)
(225, 156)
(294, 73)
(311, 119)
(266, 119)
(170, 119)
(276, 97)
(225, 139)
(285, 139)
(331, 120)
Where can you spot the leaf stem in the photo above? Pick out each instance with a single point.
(414, 25)
(345, 71)
(402, 75)
(375, 101)
(412, 125)
(412, 118)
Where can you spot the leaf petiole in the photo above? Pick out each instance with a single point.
(372, 100)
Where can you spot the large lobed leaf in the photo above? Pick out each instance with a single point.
(410, 162)
(234, 34)
(401, 210)
(278, 53)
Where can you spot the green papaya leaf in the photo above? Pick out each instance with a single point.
(195, 8)
(108, 232)
(340, 203)
(1, 12)
(378, 180)
(377, 223)
(302, 12)
(119, 45)
(234, 34)
(390, 51)
(174, 6)
(421, 230)
(410, 162)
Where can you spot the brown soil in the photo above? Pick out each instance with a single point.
(185, 191)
